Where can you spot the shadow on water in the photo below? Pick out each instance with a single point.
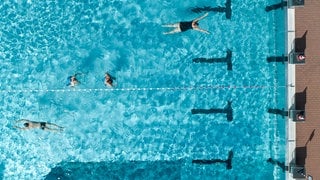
(227, 110)
(117, 170)
(228, 162)
(2, 167)
(227, 59)
(95, 61)
(88, 63)
(219, 9)
(281, 112)
(276, 6)
(281, 59)
(278, 163)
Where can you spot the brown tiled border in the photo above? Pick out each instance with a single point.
(307, 87)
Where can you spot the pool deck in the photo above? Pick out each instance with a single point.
(306, 81)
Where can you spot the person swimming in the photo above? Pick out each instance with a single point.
(73, 81)
(108, 80)
(27, 124)
(186, 25)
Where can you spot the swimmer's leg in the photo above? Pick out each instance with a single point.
(176, 30)
(171, 25)
(53, 127)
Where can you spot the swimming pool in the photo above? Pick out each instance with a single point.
(149, 124)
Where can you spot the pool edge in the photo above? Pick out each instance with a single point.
(290, 124)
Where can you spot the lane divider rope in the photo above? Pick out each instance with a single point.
(136, 89)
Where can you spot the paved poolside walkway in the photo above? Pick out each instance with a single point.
(307, 87)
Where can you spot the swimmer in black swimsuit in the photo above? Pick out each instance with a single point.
(27, 124)
(43, 125)
(108, 80)
(186, 25)
(73, 81)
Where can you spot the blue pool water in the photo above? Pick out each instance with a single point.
(143, 127)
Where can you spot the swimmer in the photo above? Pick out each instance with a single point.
(73, 81)
(27, 124)
(186, 25)
(108, 80)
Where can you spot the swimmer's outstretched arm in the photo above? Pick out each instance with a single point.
(202, 30)
(199, 18)
(54, 130)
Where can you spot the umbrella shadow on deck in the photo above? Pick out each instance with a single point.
(301, 99)
(300, 43)
(301, 156)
